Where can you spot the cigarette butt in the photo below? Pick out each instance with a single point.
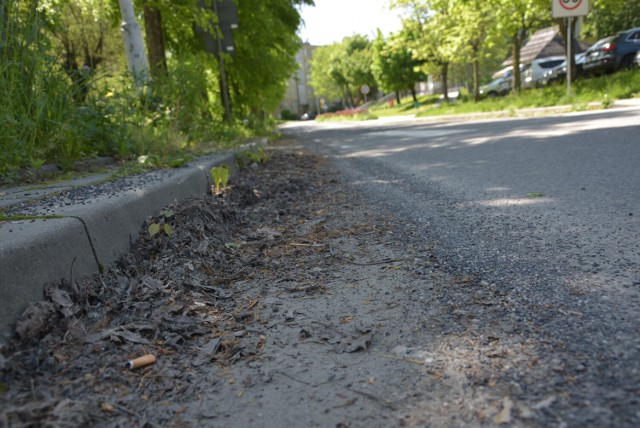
(145, 360)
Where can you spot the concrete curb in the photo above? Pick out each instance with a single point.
(89, 238)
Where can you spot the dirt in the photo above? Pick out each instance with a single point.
(286, 300)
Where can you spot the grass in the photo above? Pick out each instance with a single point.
(44, 121)
(4, 217)
(406, 106)
(601, 90)
(350, 114)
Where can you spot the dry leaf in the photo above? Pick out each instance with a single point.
(504, 417)
(106, 407)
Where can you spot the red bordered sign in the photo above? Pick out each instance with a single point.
(565, 8)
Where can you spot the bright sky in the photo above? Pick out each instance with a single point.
(332, 20)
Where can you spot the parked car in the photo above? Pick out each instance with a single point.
(559, 72)
(500, 85)
(533, 73)
(497, 88)
(613, 52)
(638, 59)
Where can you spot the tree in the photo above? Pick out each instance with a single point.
(134, 44)
(155, 38)
(356, 65)
(607, 17)
(266, 44)
(475, 31)
(394, 67)
(83, 34)
(343, 68)
(428, 33)
(517, 18)
(324, 80)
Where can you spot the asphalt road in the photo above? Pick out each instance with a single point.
(545, 209)
(569, 182)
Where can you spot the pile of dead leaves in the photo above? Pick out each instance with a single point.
(182, 294)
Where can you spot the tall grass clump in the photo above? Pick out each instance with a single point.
(33, 100)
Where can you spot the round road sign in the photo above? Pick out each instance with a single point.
(567, 8)
(570, 4)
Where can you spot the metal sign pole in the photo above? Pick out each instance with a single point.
(569, 57)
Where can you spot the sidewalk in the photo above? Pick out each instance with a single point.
(80, 227)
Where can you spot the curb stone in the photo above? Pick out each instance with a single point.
(90, 237)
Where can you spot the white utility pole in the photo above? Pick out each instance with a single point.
(134, 45)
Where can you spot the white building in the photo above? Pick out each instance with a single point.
(300, 97)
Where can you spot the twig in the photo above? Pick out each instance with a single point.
(346, 404)
(382, 262)
(304, 289)
(293, 378)
(406, 359)
(374, 397)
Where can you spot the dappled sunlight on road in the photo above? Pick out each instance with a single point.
(564, 129)
(383, 182)
(381, 152)
(509, 202)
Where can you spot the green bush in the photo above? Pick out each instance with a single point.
(287, 115)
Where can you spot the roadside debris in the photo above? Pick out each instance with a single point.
(139, 362)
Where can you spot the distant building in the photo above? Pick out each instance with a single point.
(300, 97)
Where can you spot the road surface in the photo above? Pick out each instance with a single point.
(545, 212)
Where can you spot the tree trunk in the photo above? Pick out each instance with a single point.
(516, 62)
(134, 45)
(445, 81)
(224, 90)
(475, 71)
(398, 97)
(155, 40)
(349, 96)
(414, 95)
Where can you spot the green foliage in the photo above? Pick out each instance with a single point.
(266, 44)
(54, 110)
(162, 225)
(155, 228)
(340, 70)
(393, 65)
(406, 105)
(357, 114)
(254, 155)
(4, 217)
(220, 176)
(323, 75)
(607, 17)
(585, 92)
(287, 115)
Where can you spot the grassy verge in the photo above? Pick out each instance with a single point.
(602, 90)
(406, 106)
(351, 114)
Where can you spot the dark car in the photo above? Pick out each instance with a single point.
(612, 53)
